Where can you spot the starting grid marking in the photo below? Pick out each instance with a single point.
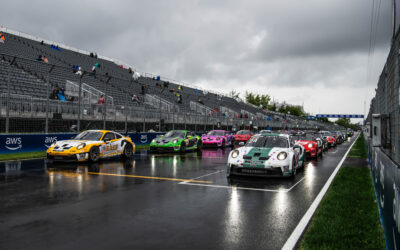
(149, 177)
(281, 190)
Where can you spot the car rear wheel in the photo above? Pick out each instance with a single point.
(128, 151)
(94, 154)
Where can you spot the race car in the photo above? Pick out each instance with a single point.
(242, 136)
(312, 145)
(266, 155)
(91, 145)
(329, 137)
(217, 138)
(176, 141)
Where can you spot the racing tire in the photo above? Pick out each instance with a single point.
(94, 154)
(183, 148)
(199, 145)
(128, 151)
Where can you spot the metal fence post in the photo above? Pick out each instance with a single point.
(126, 114)
(79, 104)
(8, 100)
(46, 129)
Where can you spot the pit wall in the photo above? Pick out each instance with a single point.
(386, 179)
(18, 143)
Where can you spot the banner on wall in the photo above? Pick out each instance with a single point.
(17, 143)
(386, 179)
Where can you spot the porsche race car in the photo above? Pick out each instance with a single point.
(91, 145)
(266, 155)
(242, 136)
(312, 145)
(217, 138)
(176, 141)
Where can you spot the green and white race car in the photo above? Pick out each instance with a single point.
(176, 141)
(266, 155)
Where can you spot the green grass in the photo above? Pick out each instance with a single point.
(348, 216)
(31, 155)
(20, 156)
(359, 149)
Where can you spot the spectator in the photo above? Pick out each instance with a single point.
(2, 38)
(143, 92)
(200, 101)
(180, 88)
(94, 68)
(39, 58)
(166, 85)
(179, 98)
(211, 112)
(61, 95)
(172, 90)
(42, 42)
(216, 110)
(79, 72)
(135, 76)
(135, 99)
(101, 100)
(130, 70)
(75, 68)
(44, 59)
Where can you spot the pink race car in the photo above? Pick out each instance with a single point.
(217, 138)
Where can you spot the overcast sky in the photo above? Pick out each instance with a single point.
(311, 51)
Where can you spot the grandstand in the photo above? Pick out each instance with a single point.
(27, 83)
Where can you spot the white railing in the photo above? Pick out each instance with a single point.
(159, 103)
(201, 109)
(90, 95)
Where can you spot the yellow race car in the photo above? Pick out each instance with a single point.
(92, 145)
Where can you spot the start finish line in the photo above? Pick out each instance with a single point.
(338, 116)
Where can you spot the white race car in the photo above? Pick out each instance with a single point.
(266, 155)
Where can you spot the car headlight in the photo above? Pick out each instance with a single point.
(53, 144)
(153, 141)
(309, 145)
(282, 156)
(80, 146)
(235, 153)
(175, 141)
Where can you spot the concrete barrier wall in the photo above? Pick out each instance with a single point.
(16, 143)
(386, 179)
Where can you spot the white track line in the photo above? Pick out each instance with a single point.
(184, 182)
(242, 188)
(298, 231)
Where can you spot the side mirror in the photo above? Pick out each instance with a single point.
(241, 143)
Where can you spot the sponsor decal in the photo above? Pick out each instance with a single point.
(13, 143)
(49, 140)
(14, 166)
(143, 138)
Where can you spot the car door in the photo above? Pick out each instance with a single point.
(191, 138)
(110, 145)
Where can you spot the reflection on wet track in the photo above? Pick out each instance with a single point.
(173, 196)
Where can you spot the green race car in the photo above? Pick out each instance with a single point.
(176, 141)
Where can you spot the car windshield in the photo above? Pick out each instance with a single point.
(268, 142)
(305, 137)
(175, 133)
(265, 131)
(214, 132)
(89, 135)
(243, 132)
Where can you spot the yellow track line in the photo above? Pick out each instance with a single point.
(151, 177)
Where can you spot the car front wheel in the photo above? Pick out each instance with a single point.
(128, 151)
(94, 154)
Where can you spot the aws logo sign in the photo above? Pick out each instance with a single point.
(49, 140)
(13, 143)
(143, 138)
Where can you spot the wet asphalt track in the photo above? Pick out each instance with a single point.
(70, 206)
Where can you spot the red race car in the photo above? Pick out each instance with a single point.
(242, 136)
(312, 145)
